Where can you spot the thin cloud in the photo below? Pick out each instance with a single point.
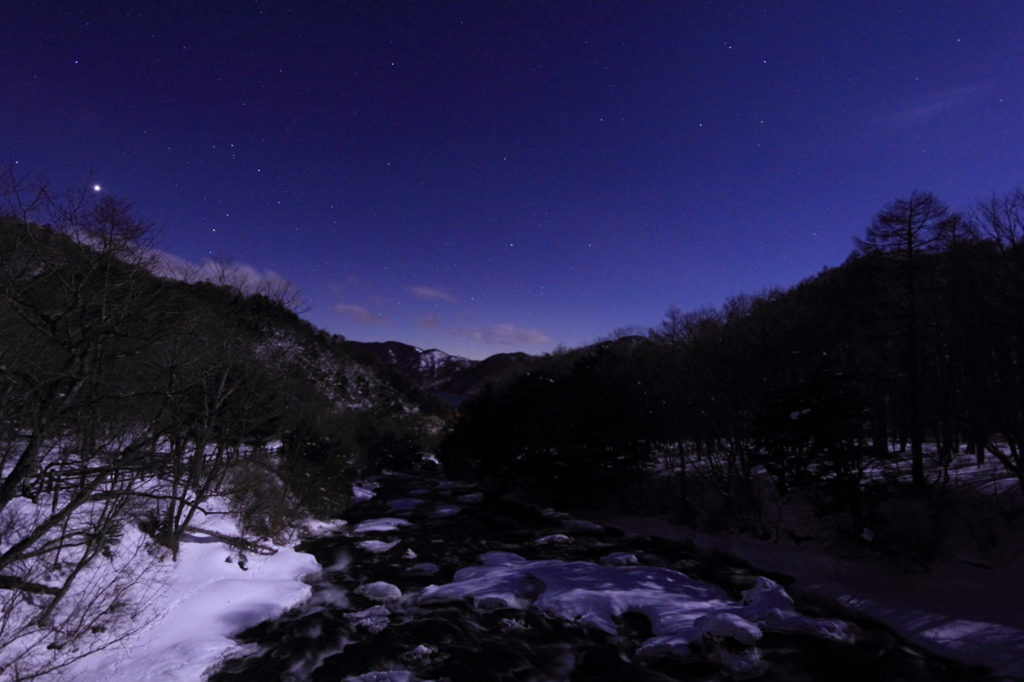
(170, 266)
(358, 313)
(502, 334)
(431, 294)
(934, 104)
(241, 276)
(428, 322)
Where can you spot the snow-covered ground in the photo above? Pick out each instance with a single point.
(966, 609)
(990, 477)
(208, 597)
(964, 612)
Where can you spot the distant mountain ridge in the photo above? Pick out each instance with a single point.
(448, 377)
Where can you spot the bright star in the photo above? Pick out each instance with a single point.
(96, 188)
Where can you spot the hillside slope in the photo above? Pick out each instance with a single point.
(449, 377)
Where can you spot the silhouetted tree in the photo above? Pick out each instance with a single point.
(902, 232)
(78, 311)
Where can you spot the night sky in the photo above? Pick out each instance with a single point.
(483, 177)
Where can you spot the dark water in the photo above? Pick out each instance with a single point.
(320, 642)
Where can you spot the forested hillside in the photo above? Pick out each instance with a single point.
(849, 396)
(449, 377)
(128, 399)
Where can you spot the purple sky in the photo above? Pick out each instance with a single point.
(484, 177)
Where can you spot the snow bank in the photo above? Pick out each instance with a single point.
(682, 611)
(931, 618)
(209, 599)
(997, 646)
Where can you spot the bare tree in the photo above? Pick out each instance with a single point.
(23, 195)
(901, 233)
(242, 278)
(76, 312)
(1001, 219)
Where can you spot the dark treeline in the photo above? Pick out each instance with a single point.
(850, 390)
(130, 399)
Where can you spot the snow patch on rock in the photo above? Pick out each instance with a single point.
(380, 591)
(404, 504)
(384, 525)
(682, 611)
(374, 619)
(377, 546)
(386, 676)
(315, 528)
(362, 493)
(444, 510)
(556, 539)
(424, 568)
(619, 559)
(581, 524)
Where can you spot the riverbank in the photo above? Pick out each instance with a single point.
(436, 579)
(963, 610)
(210, 594)
(423, 531)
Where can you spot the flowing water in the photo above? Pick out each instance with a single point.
(342, 633)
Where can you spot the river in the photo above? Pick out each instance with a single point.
(555, 599)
